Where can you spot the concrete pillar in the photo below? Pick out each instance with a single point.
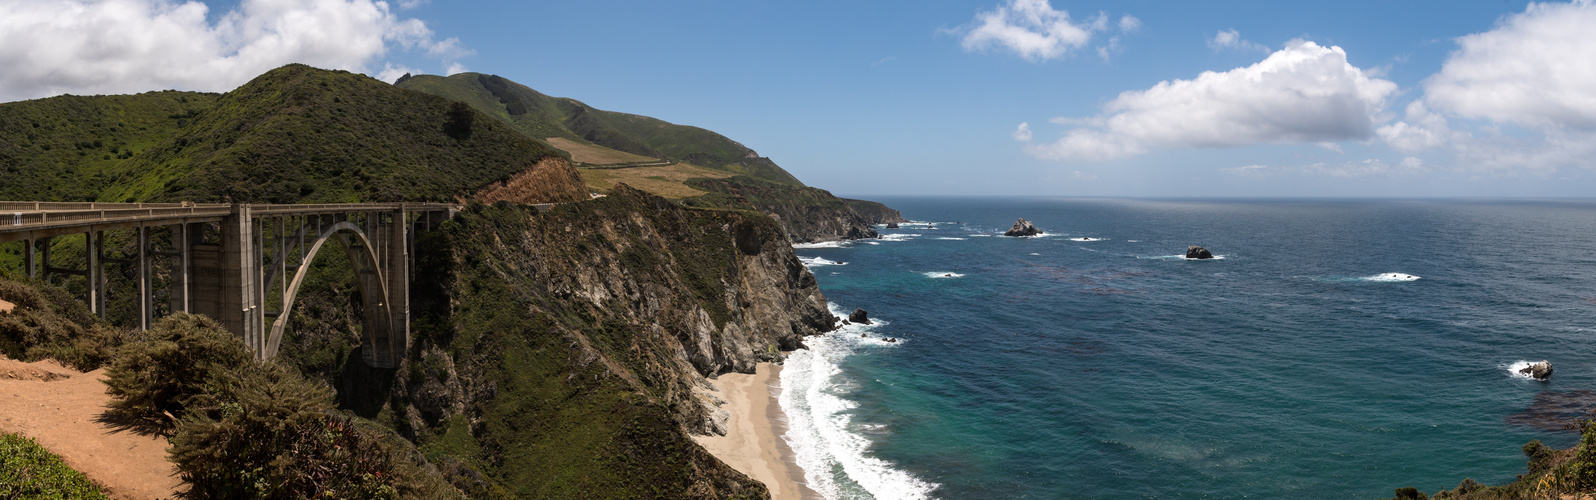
(46, 262)
(91, 251)
(27, 259)
(241, 311)
(145, 301)
(397, 273)
(180, 268)
(100, 281)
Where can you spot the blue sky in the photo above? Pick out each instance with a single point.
(1404, 99)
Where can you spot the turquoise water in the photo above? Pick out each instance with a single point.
(1056, 368)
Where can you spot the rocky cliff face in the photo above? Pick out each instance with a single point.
(566, 353)
(807, 214)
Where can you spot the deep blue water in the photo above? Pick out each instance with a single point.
(1053, 368)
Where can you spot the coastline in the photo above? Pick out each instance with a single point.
(753, 444)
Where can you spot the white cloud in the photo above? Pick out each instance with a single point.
(1303, 93)
(49, 47)
(1420, 131)
(1536, 69)
(1520, 97)
(1032, 29)
(1231, 39)
(1023, 133)
(1129, 23)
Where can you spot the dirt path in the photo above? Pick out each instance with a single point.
(59, 408)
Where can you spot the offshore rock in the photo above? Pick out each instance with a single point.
(1538, 371)
(892, 225)
(859, 316)
(1022, 227)
(1197, 252)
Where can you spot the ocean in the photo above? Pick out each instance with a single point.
(1095, 361)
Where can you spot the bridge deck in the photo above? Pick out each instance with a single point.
(20, 220)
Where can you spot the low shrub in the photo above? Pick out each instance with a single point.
(27, 470)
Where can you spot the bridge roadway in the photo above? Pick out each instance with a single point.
(232, 261)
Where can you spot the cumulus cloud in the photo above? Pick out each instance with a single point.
(1035, 30)
(1536, 69)
(49, 47)
(1231, 39)
(1521, 96)
(1304, 93)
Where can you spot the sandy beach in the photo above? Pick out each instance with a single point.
(753, 443)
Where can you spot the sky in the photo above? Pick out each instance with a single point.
(946, 97)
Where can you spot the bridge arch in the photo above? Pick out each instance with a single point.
(369, 276)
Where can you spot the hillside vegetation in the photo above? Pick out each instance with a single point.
(296, 134)
(70, 148)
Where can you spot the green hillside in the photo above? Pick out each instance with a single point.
(300, 134)
(69, 148)
(544, 117)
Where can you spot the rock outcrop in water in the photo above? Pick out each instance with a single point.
(859, 316)
(1538, 371)
(1022, 227)
(1197, 252)
(892, 225)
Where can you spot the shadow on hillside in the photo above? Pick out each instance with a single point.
(124, 420)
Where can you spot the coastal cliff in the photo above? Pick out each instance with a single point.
(566, 353)
(807, 214)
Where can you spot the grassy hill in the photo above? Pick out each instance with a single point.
(70, 148)
(545, 117)
(300, 134)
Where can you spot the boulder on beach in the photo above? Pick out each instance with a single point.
(1538, 371)
(1197, 252)
(859, 316)
(1022, 227)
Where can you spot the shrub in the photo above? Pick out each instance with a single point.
(48, 323)
(266, 432)
(27, 470)
(155, 376)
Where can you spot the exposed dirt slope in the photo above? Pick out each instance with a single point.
(60, 408)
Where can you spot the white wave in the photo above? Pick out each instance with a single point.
(981, 236)
(822, 244)
(1034, 253)
(899, 236)
(1133, 241)
(1176, 257)
(819, 261)
(1514, 367)
(1087, 239)
(872, 243)
(942, 274)
(949, 238)
(1390, 277)
(923, 224)
(828, 445)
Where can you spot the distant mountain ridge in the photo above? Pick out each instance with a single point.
(755, 183)
(543, 117)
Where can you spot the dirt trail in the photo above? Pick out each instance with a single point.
(60, 407)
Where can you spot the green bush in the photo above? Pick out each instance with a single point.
(157, 374)
(48, 323)
(27, 470)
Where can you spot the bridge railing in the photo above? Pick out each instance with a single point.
(24, 215)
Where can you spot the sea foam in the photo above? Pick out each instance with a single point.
(1514, 367)
(830, 448)
(942, 274)
(819, 261)
(821, 244)
(1390, 277)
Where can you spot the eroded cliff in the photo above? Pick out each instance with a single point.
(566, 353)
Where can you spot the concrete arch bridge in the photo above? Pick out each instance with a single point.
(242, 264)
